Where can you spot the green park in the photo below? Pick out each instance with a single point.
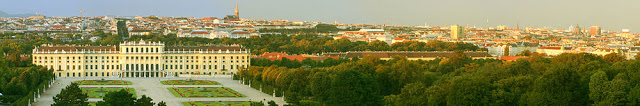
(204, 92)
(99, 92)
(189, 82)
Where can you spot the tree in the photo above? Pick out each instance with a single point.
(613, 58)
(353, 88)
(123, 31)
(506, 50)
(412, 94)
(256, 104)
(162, 103)
(144, 101)
(320, 85)
(117, 98)
(404, 72)
(524, 53)
(378, 46)
(466, 91)
(559, 85)
(272, 103)
(70, 96)
(598, 87)
(634, 96)
(637, 57)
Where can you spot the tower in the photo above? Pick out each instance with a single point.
(237, 12)
(456, 31)
(517, 25)
(577, 30)
(594, 30)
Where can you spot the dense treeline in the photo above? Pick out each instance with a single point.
(567, 79)
(312, 44)
(285, 62)
(19, 84)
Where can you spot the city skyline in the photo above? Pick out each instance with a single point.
(319, 53)
(537, 14)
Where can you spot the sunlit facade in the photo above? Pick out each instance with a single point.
(141, 59)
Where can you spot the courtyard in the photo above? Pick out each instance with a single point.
(154, 88)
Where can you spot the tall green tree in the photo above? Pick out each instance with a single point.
(524, 53)
(598, 87)
(117, 98)
(162, 103)
(71, 96)
(123, 31)
(144, 101)
(272, 103)
(413, 94)
(558, 86)
(469, 91)
(256, 104)
(320, 85)
(613, 57)
(353, 88)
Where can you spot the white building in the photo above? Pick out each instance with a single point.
(140, 59)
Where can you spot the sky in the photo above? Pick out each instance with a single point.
(611, 15)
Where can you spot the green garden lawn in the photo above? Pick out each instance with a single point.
(99, 92)
(189, 82)
(204, 92)
(217, 103)
(92, 103)
(103, 82)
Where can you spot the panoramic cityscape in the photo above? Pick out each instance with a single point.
(156, 53)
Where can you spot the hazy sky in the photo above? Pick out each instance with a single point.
(609, 14)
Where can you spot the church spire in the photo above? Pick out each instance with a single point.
(517, 25)
(237, 12)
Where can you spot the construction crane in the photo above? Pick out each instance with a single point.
(82, 11)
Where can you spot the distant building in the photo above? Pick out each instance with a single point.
(456, 31)
(514, 49)
(594, 30)
(139, 32)
(239, 34)
(38, 17)
(553, 51)
(596, 51)
(577, 30)
(502, 27)
(396, 40)
(626, 34)
(631, 52)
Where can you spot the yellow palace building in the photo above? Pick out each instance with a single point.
(141, 59)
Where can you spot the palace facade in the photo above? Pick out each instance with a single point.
(141, 59)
